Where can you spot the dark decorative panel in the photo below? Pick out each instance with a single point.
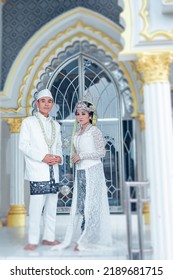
(21, 19)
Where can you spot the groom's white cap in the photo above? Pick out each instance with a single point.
(44, 93)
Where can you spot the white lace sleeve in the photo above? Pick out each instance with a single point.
(99, 146)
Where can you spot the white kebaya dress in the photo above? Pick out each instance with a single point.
(89, 225)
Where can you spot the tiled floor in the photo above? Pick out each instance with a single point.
(12, 241)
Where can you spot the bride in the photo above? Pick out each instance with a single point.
(89, 225)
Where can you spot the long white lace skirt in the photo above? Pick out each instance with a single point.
(97, 230)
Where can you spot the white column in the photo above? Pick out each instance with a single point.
(17, 213)
(159, 149)
(16, 172)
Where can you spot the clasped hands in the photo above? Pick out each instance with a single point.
(75, 158)
(51, 159)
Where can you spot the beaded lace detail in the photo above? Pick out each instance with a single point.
(89, 224)
(97, 232)
(98, 141)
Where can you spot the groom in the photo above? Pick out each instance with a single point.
(40, 142)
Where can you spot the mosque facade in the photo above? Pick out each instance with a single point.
(117, 54)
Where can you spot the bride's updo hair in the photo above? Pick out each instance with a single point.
(86, 106)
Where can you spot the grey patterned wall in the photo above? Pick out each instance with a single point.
(22, 18)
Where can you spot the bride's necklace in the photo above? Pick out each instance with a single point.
(48, 141)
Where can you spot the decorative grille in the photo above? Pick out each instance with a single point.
(84, 71)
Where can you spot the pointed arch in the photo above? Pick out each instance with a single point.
(24, 74)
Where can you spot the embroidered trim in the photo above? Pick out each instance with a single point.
(44, 187)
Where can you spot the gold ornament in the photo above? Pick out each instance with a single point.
(15, 124)
(154, 67)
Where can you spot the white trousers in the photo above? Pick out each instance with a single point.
(46, 204)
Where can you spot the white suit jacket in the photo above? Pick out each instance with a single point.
(34, 147)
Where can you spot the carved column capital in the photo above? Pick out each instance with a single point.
(154, 67)
(15, 124)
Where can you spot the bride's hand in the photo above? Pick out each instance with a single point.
(75, 158)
